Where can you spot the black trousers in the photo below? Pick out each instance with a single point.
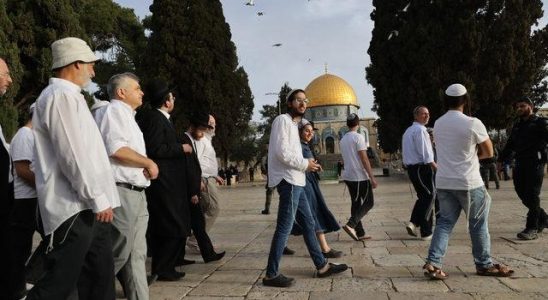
(197, 223)
(361, 195)
(81, 258)
(422, 178)
(6, 201)
(22, 225)
(165, 250)
(486, 170)
(528, 176)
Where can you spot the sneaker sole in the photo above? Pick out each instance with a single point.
(410, 231)
(351, 234)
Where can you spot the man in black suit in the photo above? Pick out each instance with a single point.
(169, 221)
(6, 180)
(199, 123)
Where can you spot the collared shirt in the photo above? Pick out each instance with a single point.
(416, 145)
(350, 144)
(164, 113)
(7, 147)
(457, 137)
(22, 149)
(72, 169)
(285, 156)
(119, 129)
(207, 156)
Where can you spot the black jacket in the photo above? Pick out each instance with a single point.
(527, 140)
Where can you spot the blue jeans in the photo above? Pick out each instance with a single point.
(476, 204)
(293, 205)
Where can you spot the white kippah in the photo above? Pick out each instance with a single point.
(456, 90)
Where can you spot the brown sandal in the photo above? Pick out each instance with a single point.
(434, 273)
(497, 270)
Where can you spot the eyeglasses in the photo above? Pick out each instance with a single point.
(302, 101)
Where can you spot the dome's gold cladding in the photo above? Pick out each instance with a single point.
(329, 89)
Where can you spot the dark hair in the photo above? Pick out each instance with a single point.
(452, 102)
(291, 96)
(353, 120)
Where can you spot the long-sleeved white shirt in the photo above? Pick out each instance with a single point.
(72, 168)
(285, 155)
(207, 157)
(119, 129)
(416, 145)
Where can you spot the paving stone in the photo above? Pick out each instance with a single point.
(167, 291)
(475, 284)
(370, 251)
(362, 285)
(509, 296)
(427, 295)
(527, 284)
(418, 285)
(301, 285)
(227, 283)
(273, 294)
(398, 260)
(345, 295)
(380, 272)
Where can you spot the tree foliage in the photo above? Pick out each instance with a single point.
(420, 47)
(190, 46)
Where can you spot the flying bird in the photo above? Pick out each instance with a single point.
(260, 13)
(250, 3)
(277, 45)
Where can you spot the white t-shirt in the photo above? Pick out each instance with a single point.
(350, 144)
(457, 136)
(22, 148)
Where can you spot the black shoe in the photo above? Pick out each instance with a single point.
(333, 269)
(278, 281)
(215, 257)
(184, 262)
(528, 234)
(150, 279)
(265, 212)
(288, 251)
(332, 254)
(171, 276)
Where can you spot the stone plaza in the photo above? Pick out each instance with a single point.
(389, 266)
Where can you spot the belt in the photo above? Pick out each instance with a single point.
(131, 186)
(415, 165)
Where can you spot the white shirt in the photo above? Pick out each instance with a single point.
(207, 156)
(119, 129)
(22, 148)
(7, 146)
(416, 145)
(457, 137)
(285, 155)
(71, 164)
(350, 144)
(164, 113)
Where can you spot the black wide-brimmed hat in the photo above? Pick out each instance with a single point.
(200, 119)
(156, 92)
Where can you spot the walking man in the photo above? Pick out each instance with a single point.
(418, 158)
(528, 140)
(286, 167)
(6, 181)
(76, 189)
(460, 187)
(358, 176)
(132, 171)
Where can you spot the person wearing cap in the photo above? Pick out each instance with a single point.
(199, 124)
(76, 189)
(286, 172)
(418, 158)
(460, 141)
(22, 219)
(169, 215)
(6, 179)
(209, 196)
(358, 177)
(527, 142)
(132, 170)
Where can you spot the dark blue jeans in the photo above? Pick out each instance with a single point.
(293, 206)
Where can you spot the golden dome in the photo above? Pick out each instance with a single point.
(329, 89)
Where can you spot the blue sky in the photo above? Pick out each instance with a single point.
(312, 33)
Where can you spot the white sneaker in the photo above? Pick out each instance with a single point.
(411, 229)
(426, 238)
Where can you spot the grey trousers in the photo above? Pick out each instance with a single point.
(209, 201)
(129, 242)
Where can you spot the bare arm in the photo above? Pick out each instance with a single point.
(367, 167)
(22, 168)
(485, 149)
(128, 157)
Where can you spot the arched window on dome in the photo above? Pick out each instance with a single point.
(330, 145)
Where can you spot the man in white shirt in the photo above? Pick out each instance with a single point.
(286, 167)
(358, 176)
(418, 158)
(6, 180)
(23, 212)
(460, 140)
(132, 171)
(74, 182)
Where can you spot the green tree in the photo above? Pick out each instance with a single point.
(420, 47)
(190, 47)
